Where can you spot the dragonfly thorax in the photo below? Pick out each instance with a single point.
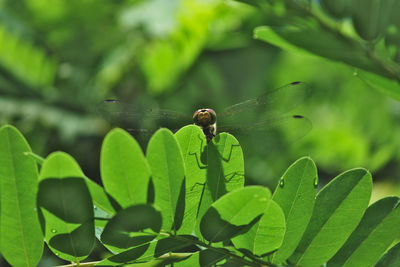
(206, 119)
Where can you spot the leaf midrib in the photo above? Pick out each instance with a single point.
(17, 199)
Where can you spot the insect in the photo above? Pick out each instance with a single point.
(256, 116)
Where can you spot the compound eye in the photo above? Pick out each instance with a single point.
(213, 115)
(195, 115)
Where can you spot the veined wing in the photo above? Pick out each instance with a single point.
(123, 113)
(294, 127)
(277, 101)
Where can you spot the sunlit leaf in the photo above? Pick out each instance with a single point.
(338, 209)
(295, 194)
(234, 212)
(168, 173)
(225, 170)
(124, 169)
(378, 229)
(266, 234)
(21, 238)
(193, 144)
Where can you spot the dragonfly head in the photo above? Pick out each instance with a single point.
(204, 117)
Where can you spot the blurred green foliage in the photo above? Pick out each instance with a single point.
(60, 59)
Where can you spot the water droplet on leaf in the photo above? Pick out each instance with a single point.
(281, 183)
(53, 230)
(316, 181)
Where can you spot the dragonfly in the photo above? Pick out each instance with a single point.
(258, 116)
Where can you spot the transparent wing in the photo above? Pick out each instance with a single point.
(277, 101)
(293, 127)
(124, 114)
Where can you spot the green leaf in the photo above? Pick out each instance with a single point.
(382, 84)
(210, 257)
(266, 234)
(225, 170)
(371, 17)
(67, 207)
(68, 200)
(128, 227)
(338, 209)
(39, 160)
(193, 144)
(124, 169)
(378, 229)
(295, 194)
(153, 250)
(318, 42)
(25, 61)
(168, 173)
(391, 258)
(21, 238)
(234, 212)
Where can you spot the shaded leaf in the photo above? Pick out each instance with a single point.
(156, 249)
(371, 17)
(124, 169)
(337, 8)
(21, 238)
(67, 200)
(338, 209)
(295, 194)
(127, 228)
(67, 207)
(391, 258)
(210, 257)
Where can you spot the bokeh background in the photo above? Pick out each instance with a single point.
(60, 59)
